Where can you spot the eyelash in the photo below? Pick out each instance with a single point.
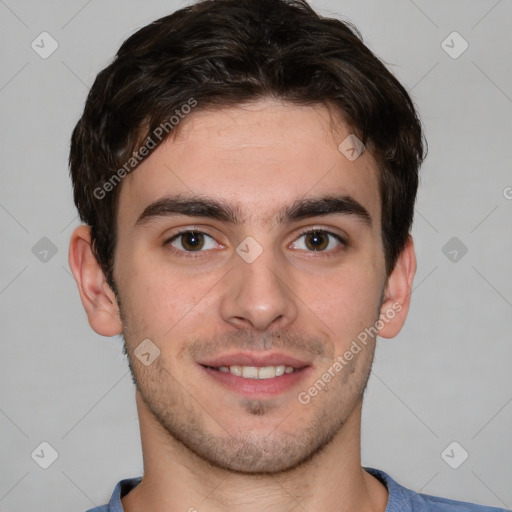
(198, 254)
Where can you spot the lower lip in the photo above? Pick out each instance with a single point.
(259, 387)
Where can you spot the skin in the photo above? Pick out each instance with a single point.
(204, 446)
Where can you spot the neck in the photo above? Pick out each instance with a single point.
(175, 478)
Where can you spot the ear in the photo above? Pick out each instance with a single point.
(397, 295)
(97, 297)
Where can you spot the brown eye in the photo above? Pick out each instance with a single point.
(317, 240)
(191, 241)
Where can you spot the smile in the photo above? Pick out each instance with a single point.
(255, 372)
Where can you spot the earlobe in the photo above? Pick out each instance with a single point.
(97, 297)
(397, 296)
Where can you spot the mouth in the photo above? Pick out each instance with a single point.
(256, 375)
(255, 372)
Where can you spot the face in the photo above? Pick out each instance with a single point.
(249, 245)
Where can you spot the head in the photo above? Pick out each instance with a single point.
(226, 118)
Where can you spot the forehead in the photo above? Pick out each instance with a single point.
(257, 157)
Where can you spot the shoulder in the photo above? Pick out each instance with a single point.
(436, 504)
(402, 499)
(121, 489)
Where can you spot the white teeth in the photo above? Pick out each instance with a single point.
(267, 372)
(254, 372)
(281, 369)
(250, 372)
(236, 370)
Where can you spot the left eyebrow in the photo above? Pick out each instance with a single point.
(327, 205)
(199, 206)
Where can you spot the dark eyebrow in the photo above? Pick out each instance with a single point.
(328, 205)
(196, 206)
(199, 206)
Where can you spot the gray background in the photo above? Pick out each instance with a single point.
(445, 378)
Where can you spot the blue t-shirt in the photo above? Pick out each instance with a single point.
(400, 499)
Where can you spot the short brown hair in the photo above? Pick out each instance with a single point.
(226, 52)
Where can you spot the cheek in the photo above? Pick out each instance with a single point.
(346, 301)
(158, 302)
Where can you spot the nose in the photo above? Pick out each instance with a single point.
(258, 295)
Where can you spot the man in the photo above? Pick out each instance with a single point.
(247, 172)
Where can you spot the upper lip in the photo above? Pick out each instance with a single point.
(254, 359)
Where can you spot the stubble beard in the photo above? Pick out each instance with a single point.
(182, 418)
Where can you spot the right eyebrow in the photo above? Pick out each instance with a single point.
(192, 207)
